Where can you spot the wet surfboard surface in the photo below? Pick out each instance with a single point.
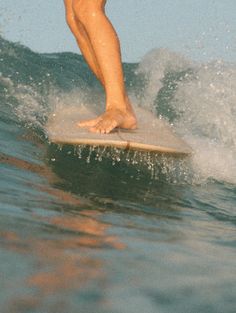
(153, 134)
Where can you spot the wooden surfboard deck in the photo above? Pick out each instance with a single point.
(152, 134)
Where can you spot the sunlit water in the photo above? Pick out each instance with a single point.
(103, 230)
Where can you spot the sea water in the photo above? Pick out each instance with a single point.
(104, 230)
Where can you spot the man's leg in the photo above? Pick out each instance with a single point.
(82, 39)
(105, 45)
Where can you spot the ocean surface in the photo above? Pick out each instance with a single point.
(106, 231)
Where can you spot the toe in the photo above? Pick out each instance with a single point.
(104, 126)
(89, 123)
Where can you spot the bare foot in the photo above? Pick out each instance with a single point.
(109, 120)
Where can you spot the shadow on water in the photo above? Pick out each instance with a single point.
(117, 183)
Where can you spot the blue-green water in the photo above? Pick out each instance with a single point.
(88, 231)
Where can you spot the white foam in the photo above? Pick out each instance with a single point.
(34, 108)
(154, 66)
(206, 103)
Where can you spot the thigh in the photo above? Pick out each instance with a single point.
(68, 6)
(86, 4)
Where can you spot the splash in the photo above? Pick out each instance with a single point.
(136, 164)
(154, 67)
(207, 119)
(203, 101)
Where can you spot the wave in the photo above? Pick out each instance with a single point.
(198, 99)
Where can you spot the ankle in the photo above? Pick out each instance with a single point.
(119, 106)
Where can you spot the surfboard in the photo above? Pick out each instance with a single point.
(153, 134)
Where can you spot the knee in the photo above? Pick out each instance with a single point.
(69, 13)
(85, 11)
(70, 19)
